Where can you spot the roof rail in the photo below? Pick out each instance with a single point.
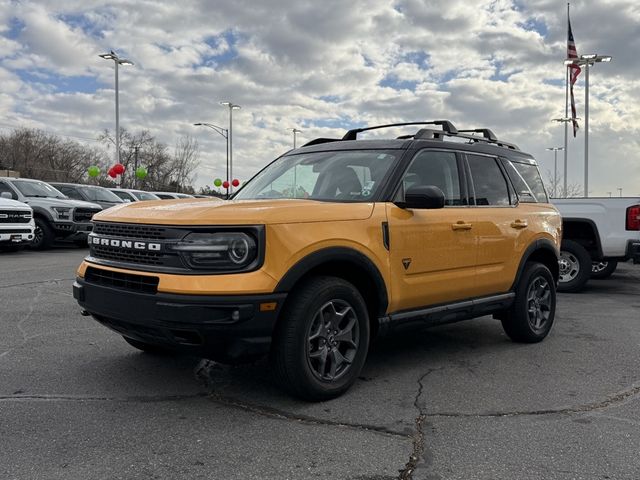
(486, 133)
(317, 141)
(447, 126)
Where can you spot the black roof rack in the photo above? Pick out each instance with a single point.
(448, 130)
(447, 126)
(486, 133)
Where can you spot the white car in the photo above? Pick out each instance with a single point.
(16, 224)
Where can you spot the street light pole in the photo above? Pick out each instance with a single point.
(587, 61)
(232, 107)
(225, 134)
(555, 167)
(117, 61)
(295, 130)
(566, 121)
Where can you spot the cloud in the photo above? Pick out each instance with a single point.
(324, 67)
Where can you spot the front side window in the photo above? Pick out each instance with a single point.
(490, 186)
(435, 168)
(6, 188)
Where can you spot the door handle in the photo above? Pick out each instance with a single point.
(519, 224)
(461, 225)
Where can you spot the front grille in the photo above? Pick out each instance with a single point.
(129, 256)
(126, 281)
(129, 230)
(14, 216)
(84, 214)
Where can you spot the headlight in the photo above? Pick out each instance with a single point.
(63, 213)
(218, 251)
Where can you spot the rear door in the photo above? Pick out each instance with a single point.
(433, 252)
(502, 225)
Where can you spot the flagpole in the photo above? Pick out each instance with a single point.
(566, 115)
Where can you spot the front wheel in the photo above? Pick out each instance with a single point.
(602, 270)
(575, 267)
(42, 235)
(531, 317)
(321, 341)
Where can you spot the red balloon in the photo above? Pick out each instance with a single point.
(225, 184)
(118, 169)
(111, 173)
(235, 182)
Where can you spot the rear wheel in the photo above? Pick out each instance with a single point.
(321, 342)
(531, 317)
(42, 236)
(602, 270)
(147, 347)
(575, 267)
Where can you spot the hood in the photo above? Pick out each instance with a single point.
(205, 211)
(60, 202)
(8, 203)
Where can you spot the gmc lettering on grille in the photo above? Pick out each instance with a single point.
(125, 244)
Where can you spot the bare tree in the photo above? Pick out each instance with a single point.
(185, 160)
(573, 189)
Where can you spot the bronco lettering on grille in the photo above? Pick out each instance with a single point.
(125, 244)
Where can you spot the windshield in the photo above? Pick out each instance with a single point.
(343, 176)
(145, 195)
(99, 194)
(33, 188)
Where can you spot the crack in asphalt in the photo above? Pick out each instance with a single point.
(53, 280)
(418, 436)
(97, 398)
(283, 415)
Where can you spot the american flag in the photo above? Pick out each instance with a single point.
(574, 71)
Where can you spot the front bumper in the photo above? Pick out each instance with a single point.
(72, 230)
(14, 236)
(224, 328)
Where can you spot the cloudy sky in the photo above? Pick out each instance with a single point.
(323, 67)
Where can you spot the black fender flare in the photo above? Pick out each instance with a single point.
(42, 212)
(345, 256)
(541, 245)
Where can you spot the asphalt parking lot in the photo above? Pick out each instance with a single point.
(454, 402)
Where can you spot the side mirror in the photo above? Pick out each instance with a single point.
(423, 197)
(6, 195)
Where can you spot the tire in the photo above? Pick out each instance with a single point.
(575, 267)
(147, 347)
(531, 317)
(322, 338)
(602, 270)
(42, 235)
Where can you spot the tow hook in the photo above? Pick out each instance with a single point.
(84, 313)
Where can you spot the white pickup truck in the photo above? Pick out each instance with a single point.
(597, 234)
(16, 224)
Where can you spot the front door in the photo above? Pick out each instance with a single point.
(432, 252)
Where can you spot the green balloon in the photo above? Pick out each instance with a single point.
(217, 182)
(141, 173)
(93, 171)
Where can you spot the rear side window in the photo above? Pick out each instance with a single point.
(490, 186)
(526, 179)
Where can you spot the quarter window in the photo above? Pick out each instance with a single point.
(436, 168)
(488, 181)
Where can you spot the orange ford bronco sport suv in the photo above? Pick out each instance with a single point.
(329, 246)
